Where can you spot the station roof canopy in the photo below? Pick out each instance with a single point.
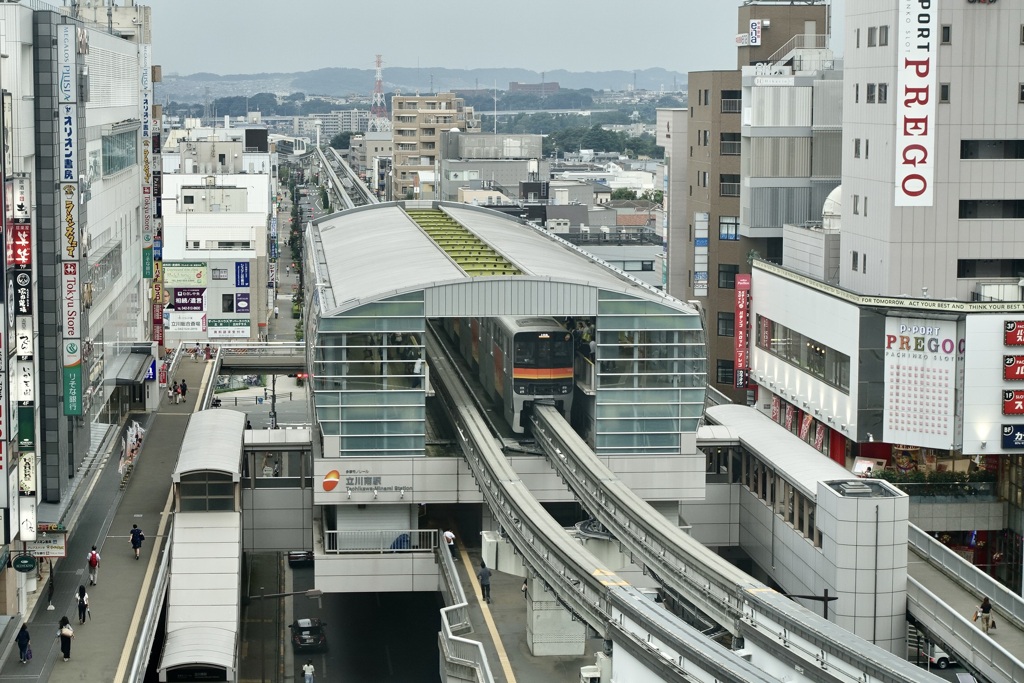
(796, 460)
(375, 252)
(212, 443)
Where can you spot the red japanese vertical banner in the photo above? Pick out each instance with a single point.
(741, 349)
(819, 436)
(789, 417)
(776, 408)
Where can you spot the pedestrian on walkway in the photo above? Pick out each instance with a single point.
(485, 581)
(24, 641)
(93, 558)
(170, 393)
(208, 352)
(184, 391)
(65, 633)
(276, 311)
(83, 603)
(137, 537)
(449, 538)
(307, 671)
(986, 615)
(176, 390)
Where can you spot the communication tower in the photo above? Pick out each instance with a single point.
(380, 122)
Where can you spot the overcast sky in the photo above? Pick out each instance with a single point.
(252, 36)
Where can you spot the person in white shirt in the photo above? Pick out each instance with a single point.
(308, 671)
(449, 538)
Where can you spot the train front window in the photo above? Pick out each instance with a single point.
(526, 352)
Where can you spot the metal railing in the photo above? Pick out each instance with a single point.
(147, 635)
(729, 190)
(801, 41)
(1006, 602)
(261, 348)
(464, 659)
(731, 106)
(380, 541)
(730, 148)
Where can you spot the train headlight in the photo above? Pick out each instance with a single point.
(565, 388)
(520, 390)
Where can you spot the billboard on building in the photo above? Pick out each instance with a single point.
(701, 221)
(741, 324)
(67, 69)
(184, 273)
(920, 374)
(72, 377)
(915, 102)
(70, 309)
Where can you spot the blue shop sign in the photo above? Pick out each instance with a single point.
(1013, 436)
(241, 273)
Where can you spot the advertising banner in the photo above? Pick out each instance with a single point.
(53, 545)
(23, 337)
(242, 302)
(920, 372)
(27, 474)
(22, 283)
(69, 222)
(229, 328)
(72, 377)
(1013, 368)
(24, 379)
(69, 297)
(1013, 402)
(1013, 436)
(68, 118)
(147, 262)
(20, 207)
(700, 253)
(1013, 333)
(184, 273)
(19, 245)
(741, 325)
(67, 71)
(178, 321)
(26, 429)
(915, 102)
(189, 298)
(241, 273)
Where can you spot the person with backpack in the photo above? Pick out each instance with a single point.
(83, 604)
(137, 537)
(93, 558)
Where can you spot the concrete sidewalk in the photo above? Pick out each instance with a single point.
(103, 646)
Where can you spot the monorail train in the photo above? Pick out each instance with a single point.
(518, 360)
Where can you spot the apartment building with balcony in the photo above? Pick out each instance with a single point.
(416, 126)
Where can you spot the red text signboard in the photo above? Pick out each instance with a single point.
(1013, 332)
(741, 351)
(1013, 402)
(1013, 367)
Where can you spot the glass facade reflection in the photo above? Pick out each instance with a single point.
(651, 374)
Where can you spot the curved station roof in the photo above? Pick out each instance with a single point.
(376, 252)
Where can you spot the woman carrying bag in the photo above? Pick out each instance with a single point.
(66, 633)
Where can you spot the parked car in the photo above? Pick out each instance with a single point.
(308, 635)
(300, 558)
(935, 654)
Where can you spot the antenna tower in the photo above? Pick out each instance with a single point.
(379, 119)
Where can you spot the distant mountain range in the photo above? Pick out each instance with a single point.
(341, 82)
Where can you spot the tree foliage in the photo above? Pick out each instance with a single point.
(341, 140)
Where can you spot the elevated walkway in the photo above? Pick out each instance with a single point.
(944, 590)
(261, 357)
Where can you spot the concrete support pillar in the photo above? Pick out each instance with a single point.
(550, 629)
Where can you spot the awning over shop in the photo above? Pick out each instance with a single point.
(133, 369)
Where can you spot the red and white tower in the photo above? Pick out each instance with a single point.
(379, 120)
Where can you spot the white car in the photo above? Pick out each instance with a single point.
(935, 654)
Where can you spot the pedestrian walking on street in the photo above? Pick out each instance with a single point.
(276, 311)
(65, 633)
(93, 558)
(986, 615)
(208, 352)
(485, 581)
(24, 641)
(184, 390)
(83, 603)
(449, 538)
(170, 393)
(176, 391)
(137, 537)
(307, 671)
